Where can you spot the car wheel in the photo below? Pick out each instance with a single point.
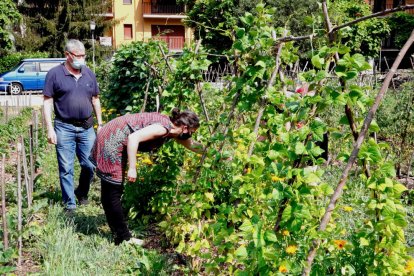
(16, 89)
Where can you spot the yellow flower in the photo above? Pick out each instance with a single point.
(285, 233)
(283, 269)
(409, 266)
(249, 170)
(241, 147)
(347, 208)
(291, 249)
(147, 161)
(275, 178)
(340, 244)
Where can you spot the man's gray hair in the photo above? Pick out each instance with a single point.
(73, 45)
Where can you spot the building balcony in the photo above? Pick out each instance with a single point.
(161, 10)
(389, 6)
(174, 43)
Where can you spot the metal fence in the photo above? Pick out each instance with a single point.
(12, 105)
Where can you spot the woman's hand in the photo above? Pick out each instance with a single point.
(132, 174)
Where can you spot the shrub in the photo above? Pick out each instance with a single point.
(10, 60)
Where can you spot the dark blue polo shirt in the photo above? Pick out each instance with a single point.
(72, 98)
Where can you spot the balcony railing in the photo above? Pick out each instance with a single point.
(174, 43)
(154, 8)
(391, 6)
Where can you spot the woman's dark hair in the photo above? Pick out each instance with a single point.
(185, 118)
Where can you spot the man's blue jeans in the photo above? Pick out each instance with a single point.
(71, 140)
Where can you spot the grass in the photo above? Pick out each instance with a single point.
(82, 244)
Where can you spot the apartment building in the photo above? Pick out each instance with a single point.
(142, 20)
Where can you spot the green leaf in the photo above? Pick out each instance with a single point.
(317, 61)
(209, 196)
(261, 64)
(363, 242)
(299, 148)
(270, 236)
(342, 49)
(246, 227)
(351, 74)
(240, 32)
(374, 126)
(241, 252)
(398, 188)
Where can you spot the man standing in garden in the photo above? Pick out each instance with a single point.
(71, 89)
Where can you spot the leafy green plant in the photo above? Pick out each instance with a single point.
(395, 119)
(132, 83)
(10, 60)
(401, 23)
(252, 203)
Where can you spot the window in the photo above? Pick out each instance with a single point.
(127, 2)
(46, 66)
(28, 67)
(127, 31)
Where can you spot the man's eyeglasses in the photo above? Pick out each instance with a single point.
(77, 56)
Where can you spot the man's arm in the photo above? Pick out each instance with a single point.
(191, 145)
(47, 111)
(96, 103)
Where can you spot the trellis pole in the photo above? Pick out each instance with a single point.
(19, 203)
(3, 204)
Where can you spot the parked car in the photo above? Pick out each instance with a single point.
(29, 74)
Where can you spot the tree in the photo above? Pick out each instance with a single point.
(213, 19)
(49, 23)
(8, 16)
(365, 37)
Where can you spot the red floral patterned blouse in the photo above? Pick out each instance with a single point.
(109, 153)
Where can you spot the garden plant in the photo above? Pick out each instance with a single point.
(266, 197)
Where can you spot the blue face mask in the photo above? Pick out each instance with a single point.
(77, 63)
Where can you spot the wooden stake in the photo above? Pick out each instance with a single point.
(3, 205)
(25, 169)
(36, 134)
(19, 202)
(7, 112)
(30, 191)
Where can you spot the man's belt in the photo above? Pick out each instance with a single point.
(85, 123)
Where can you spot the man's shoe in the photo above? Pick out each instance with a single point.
(69, 212)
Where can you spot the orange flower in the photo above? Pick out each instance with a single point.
(283, 269)
(291, 249)
(285, 233)
(340, 244)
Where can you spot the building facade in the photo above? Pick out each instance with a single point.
(142, 20)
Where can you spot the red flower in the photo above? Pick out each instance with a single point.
(299, 125)
(300, 90)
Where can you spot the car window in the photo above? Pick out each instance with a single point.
(29, 67)
(46, 66)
